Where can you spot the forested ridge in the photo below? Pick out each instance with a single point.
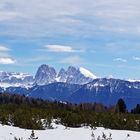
(30, 113)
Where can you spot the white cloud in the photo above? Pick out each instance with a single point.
(136, 58)
(4, 49)
(60, 48)
(6, 15)
(4, 55)
(72, 60)
(7, 60)
(120, 59)
(70, 17)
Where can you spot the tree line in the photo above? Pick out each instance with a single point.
(30, 113)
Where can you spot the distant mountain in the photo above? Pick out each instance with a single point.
(46, 75)
(76, 76)
(8, 79)
(55, 91)
(108, 91)
(101, 90)
(76, 85)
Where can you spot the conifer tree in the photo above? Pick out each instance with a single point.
(92, 136)
(121, 106)
(32, 136)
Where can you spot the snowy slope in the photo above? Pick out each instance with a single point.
(101, 90)
(60, 133)
(87, 73)
(12, 79)
(46, 75)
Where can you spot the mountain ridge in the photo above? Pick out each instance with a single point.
(71, 75)
(72, 86)
(101, 90)
(46, 75)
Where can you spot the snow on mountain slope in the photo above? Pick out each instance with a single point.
(13, 74)
(9, 79)
(6, 85)
(46, 75)
(9, 132)
(132, 80)
(87, 73)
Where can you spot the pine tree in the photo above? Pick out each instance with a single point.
(98, 138)
(92, 136)
(103, 136)
(128, 135)
(32, 136)
(121, 106)
(110, 137)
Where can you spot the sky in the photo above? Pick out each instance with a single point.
(102, 36)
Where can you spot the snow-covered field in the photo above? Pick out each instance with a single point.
(61, 133)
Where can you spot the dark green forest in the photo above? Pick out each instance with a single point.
(30, 113)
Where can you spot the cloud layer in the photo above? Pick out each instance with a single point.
(6, 61)
(5, 56)
(121, 60)
(59, 48)
(70, 17)
(136, 58)
(101, 29)
(4, 49)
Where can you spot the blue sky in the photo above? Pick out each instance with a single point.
(100, 35)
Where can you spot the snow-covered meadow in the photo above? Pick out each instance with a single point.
(62, 133)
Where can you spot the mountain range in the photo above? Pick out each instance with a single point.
(76, 85)
(46, 75)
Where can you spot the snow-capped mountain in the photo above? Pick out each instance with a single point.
(87, 73)
(108, 91)
(46, 75)
(74, 85)
(77, 76)
(8, 79)
(100, 90)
